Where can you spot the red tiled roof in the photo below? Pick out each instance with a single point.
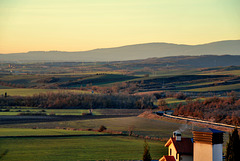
(185, 146)
(167, 158)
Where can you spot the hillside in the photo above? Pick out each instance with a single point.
(203, 61)
(130, 52)
(154, 66)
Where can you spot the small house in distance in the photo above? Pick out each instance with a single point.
(179, 149)
(206, 145)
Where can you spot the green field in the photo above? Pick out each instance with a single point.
(45, 132)
(175, 101)
(78, 148)
(230, 72)
(86, 73)
(30, 92)
(216, 88)
(19, 110)
(97, 147)
(141, 126)
(198, 84)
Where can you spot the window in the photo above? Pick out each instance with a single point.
(170, 151)
(176, 156)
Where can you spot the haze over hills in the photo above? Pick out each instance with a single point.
(129, 52)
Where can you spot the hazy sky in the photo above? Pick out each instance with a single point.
(77, 25)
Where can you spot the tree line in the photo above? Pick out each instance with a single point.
(223, 110)
(83, 101)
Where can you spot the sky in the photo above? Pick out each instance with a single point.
(80, 25)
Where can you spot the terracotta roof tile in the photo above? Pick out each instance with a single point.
(167, 158)
(185, 146)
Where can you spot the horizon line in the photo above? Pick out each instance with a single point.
(120, 47)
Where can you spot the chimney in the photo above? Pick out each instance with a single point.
(177, 135)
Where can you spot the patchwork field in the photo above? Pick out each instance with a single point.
(139, 126)
(44, 136)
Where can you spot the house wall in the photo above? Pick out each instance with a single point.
(202, 152)
(217, 152)
(186, 158)
(171, 146)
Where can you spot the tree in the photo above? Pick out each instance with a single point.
(162, 105)
(232, 149)
(130, 130)
(146, 153)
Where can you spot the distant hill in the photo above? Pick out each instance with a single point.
(204, 61)
(130, 52)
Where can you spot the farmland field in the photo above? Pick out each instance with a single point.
(48, 111)
(231, 72)
(140, 126)
(217, 88)
(29, 136)
(30, 92)
(77, 112)
(172, 101)
(78, 148)
(198, 84)
(42, 132)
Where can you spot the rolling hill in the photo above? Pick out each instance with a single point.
(130, 52)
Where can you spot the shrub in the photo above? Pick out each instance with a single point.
(180, 96)
(102, 128)
(32, 114)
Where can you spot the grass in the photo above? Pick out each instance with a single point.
(141, 126)
(30, 92)
(174, 101)
(231, 72)
(78, 148)
(87, 73)
(37, 132)
(49, 111)
(198, 84)
(4, 87)
(18, 109)
(102, 80)
(216, 88)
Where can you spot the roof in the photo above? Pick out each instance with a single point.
(209, 130)
(167, 158)
(185, 146)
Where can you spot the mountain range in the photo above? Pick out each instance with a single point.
(129, 52)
